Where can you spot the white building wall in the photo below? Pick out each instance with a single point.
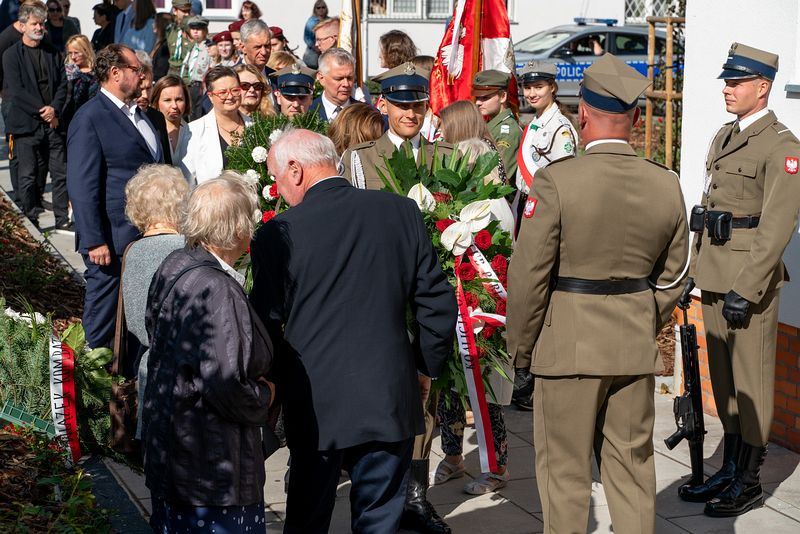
(528, 17)
(711, 27)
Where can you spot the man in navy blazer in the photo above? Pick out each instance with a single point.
(108, 140)
(333, 278)
(336, 75)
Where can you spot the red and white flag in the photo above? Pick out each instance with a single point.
(477, 38)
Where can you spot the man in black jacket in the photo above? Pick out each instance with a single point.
(333, 278)
(36, 87)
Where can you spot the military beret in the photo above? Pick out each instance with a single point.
(222, 36)
(276, 31)
(487, 82)
(294, 80)
(536, 71)
(611, 85)
(236, 26)
(404, 83)
(197, 22)
(182, 3)
(747, 62)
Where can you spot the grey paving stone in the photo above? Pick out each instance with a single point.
(764, 520)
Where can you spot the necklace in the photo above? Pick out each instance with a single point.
(231, 132)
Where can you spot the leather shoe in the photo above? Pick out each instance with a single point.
(718, 481)
(744, 493)
(419, 514)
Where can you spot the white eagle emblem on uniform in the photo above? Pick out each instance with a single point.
(791, 165)
(457, 58)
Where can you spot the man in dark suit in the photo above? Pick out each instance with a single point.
(336, 75)
(108, 140)
(36, 88)
(350, 380)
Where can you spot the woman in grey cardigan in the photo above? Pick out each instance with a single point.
(156, 198)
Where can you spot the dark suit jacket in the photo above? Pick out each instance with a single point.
(157, 119)
(21, 87)
(104, 151)
(316, 105)
(339, 271)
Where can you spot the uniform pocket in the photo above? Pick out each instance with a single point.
(744, 173)
(742, 239)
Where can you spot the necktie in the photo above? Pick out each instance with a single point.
(734, 133)
(407, 148)
(336, 111)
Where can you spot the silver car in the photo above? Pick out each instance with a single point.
(574, 47)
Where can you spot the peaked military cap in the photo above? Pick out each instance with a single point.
(487, 82)
(294, 80)
(197, 21)
(536, 71)
(747, 62)
(404, 83)
(611, 85)
(181, 3)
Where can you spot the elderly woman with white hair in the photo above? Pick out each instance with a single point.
(207, 400)
(155, 200)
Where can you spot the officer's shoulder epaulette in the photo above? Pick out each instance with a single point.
(781, 129)
(662, 166)
(361, 146)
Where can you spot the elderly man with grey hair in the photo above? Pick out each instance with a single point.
(332, 280)
(207, 399)
(336, 75)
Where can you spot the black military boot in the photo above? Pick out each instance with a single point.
(418, 514)
(731, 443)
(744, 493)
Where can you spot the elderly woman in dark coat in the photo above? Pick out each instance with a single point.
(207, 399)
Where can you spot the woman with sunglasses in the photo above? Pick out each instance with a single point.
(213, 133)
(59, 28)
(320, 12)
(255, 91)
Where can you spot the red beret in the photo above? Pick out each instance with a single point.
(235, 26)
(276, 31)
(222, 36)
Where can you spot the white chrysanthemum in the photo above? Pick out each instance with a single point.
(274, 135)
(265, 192)
(252, 177)
(259, 154)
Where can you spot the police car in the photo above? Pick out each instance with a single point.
(575, 47)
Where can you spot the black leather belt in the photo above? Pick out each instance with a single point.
(749, 221)
(601, 287)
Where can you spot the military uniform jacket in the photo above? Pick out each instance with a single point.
(546, 139)
(507, 135)
(755, 173)
(178, 45)
(362, 161)
(608, 215)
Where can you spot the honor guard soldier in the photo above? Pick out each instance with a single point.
(177, 42)
(596, 272)
(490, 89)
(405, 102)
(295, 88)
(746, 219)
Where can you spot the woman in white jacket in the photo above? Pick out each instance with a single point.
(213, 133)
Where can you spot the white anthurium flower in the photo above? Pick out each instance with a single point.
(501, 211)
(477, 215)
(259, 154)
(424, 199)
(457, 238)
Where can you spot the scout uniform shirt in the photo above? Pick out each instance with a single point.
(507, 135)
(752, 172)
(546, 139)
(178, 45)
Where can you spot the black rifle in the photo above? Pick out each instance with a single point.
(688, 407)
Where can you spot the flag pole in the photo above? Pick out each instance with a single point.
(477, 17)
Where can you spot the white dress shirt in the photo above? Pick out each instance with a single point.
(139, 120)
(330, 107)
(397, 141)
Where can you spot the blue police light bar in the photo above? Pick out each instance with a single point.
(583, 21)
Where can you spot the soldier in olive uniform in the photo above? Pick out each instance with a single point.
(596, 272)
(295, 88)
(405, 102)
(748, 215)
(490, 89)
(177, 42)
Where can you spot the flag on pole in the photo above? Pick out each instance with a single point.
(350, 34)
(477, 38)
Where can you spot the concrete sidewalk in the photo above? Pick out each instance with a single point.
(517, 508)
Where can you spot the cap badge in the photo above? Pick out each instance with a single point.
(295, 68)
(410, 69)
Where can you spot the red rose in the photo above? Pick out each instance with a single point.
(273, 191)
(268, 215)
(488, 331)
(481, 353)
(472, 300)
(466, 272)
(503, 278)
(442, 224)
(500, 307)
(442, 197)
(483, 239)
(500, 264)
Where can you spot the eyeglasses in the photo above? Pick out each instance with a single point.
(233, 91)
(323, 39)
(54, 10)
(258, 86)
(138, 70)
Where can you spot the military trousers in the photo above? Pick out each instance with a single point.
(422, 443)
(611, 416)
(741, 362)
